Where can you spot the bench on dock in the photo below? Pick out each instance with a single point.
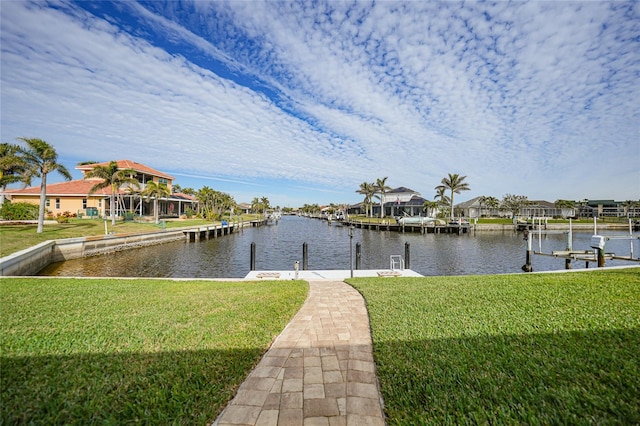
(268, 275)
(389, 273)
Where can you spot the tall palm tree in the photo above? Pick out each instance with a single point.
(454, 183)
(12, 167)
(156, 191)
(41, 159)
(112, 177)
(382, 187)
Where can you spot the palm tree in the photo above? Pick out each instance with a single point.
(443, 200)
(40, 159)
(265, 203)
(492, 203)
(156, 191)
(430, 206)
(456, 184)
(112, 177)
(368, 190)
(12, 167)
(483, 202)
(382, 187)
(255, 204)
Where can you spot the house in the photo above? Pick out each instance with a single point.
(397, 202)
(608, 208)
(539, 208)
(74, 197)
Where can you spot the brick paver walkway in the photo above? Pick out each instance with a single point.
(319, 371)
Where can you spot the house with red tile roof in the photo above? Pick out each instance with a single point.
(75, 197)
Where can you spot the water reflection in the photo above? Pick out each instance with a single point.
(279, 246)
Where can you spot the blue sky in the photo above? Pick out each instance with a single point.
(300, 102)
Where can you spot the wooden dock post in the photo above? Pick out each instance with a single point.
(305, 256)
(252, 260)
(600, 253)
(358, 254)
(407, 255)
(598, 244)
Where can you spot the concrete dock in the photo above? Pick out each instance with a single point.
(329, 275)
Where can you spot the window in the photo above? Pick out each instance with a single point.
(48, 202)
(57, 203)
(99, 203)
(163, 180)
(84, 203)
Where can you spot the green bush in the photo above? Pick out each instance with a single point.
(19, 211)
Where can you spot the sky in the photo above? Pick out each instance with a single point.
(300, 102)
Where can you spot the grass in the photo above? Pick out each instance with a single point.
(14, 238)
(113, 351)
(508, 349)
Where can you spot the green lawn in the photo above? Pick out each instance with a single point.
(116, 351)
(508, 349)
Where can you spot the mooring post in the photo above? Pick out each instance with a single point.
(598, 244)
(351, 250)
(305, 256)
(407, 255)
(252, 261)
(527, 267)
(567, 261)
(600, 257)
(358, 246)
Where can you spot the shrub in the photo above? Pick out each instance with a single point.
(19, 211)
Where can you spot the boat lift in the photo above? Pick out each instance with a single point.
(597, 243)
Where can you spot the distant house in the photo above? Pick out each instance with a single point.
(607, 208)
(245, 208)
(74, 196)
(539, 208)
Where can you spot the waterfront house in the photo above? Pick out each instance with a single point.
(539, 208)
(73, 197)
(397, 202)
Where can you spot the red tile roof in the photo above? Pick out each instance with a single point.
(78, 187)
(128, 164)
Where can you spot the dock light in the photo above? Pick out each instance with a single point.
(296, 268)
(351, 249)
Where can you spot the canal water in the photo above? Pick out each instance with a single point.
(279, 246)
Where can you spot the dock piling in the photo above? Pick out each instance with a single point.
(407, 255)
(252, 260)
(305, 256)
(527, 267)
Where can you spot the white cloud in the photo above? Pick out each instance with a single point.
(537, 98)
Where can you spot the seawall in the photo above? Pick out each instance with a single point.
(31, 260)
